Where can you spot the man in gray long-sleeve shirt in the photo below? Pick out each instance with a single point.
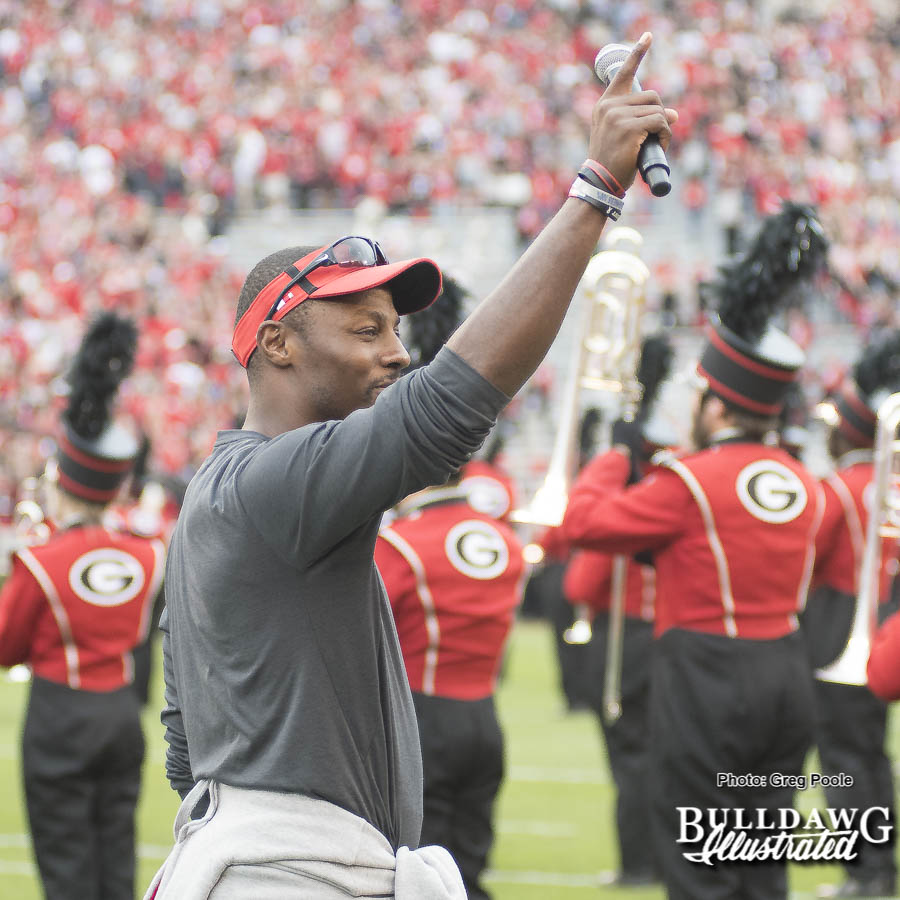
(295, 532)
(284, 673)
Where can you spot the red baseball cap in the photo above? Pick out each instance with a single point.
(414, 285)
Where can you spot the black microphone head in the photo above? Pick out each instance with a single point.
(609, 60)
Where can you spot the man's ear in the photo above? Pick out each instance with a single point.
(272, 343)
(716, 407)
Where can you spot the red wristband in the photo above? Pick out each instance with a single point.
(607, 176)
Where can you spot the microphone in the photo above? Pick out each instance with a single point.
(652, 162)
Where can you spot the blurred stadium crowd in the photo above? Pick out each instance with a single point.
(118, 116)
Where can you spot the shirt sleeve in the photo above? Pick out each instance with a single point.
(309, 489)
(587, 579)
(603, 514)
(21, 602)
(884, 660)
(178, 760)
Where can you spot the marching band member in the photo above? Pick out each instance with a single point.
(851, 721)
(74, 609)
(589, 583)
(731, 529)
(453, 575)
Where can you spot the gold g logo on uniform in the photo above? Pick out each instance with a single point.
(477, 549)
(771, 492)
(106, 577)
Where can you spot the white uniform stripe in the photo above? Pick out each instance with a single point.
(854, 525)
(73, 675)
(715, 544)
(432, 628)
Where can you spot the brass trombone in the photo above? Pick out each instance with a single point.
(605, 360)
(883, 523)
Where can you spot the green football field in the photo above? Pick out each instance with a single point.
(554, 818)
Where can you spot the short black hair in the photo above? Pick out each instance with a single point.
(260, 275)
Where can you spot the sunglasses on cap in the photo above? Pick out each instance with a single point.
(352, 251)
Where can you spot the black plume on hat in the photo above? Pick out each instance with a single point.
(430, 328)
(95, 454)
(788, 249)
(652, 371)
(746, 361)
(657, 426)
(104, 360)
(878, 368)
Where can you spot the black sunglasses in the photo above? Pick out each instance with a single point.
(351, 251)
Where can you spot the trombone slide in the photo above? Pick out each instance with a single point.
(612, 675)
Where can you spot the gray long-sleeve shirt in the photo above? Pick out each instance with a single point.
(285, 664)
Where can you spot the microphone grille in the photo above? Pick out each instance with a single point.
(609, 58)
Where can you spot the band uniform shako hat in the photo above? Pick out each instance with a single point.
(746, 360)
(875, 376)
(94, 453)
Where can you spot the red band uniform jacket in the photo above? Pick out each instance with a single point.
(731, 529)
(74, 608)
(453, 576)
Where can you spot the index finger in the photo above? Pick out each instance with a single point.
(625, 76)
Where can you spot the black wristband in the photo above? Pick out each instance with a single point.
(591, 177)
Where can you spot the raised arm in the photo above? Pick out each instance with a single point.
(509, 333)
